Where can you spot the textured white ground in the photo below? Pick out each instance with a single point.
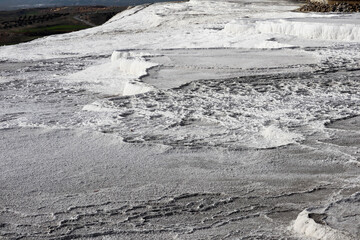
(191, 120)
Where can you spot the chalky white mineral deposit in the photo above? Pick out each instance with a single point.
(190, 120)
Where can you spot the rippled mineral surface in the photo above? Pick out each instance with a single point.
(189, 120)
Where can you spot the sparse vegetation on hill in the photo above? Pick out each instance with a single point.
(28, 24)
(335, 7)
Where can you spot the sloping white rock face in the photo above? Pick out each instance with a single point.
(308, 227)
(120, 76)
(329, 223)
(310, 28)
(319, 1)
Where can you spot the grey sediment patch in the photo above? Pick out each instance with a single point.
(346, 136)
(200, 192)
(347, 123)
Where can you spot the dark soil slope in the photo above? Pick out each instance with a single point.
(28, 24)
